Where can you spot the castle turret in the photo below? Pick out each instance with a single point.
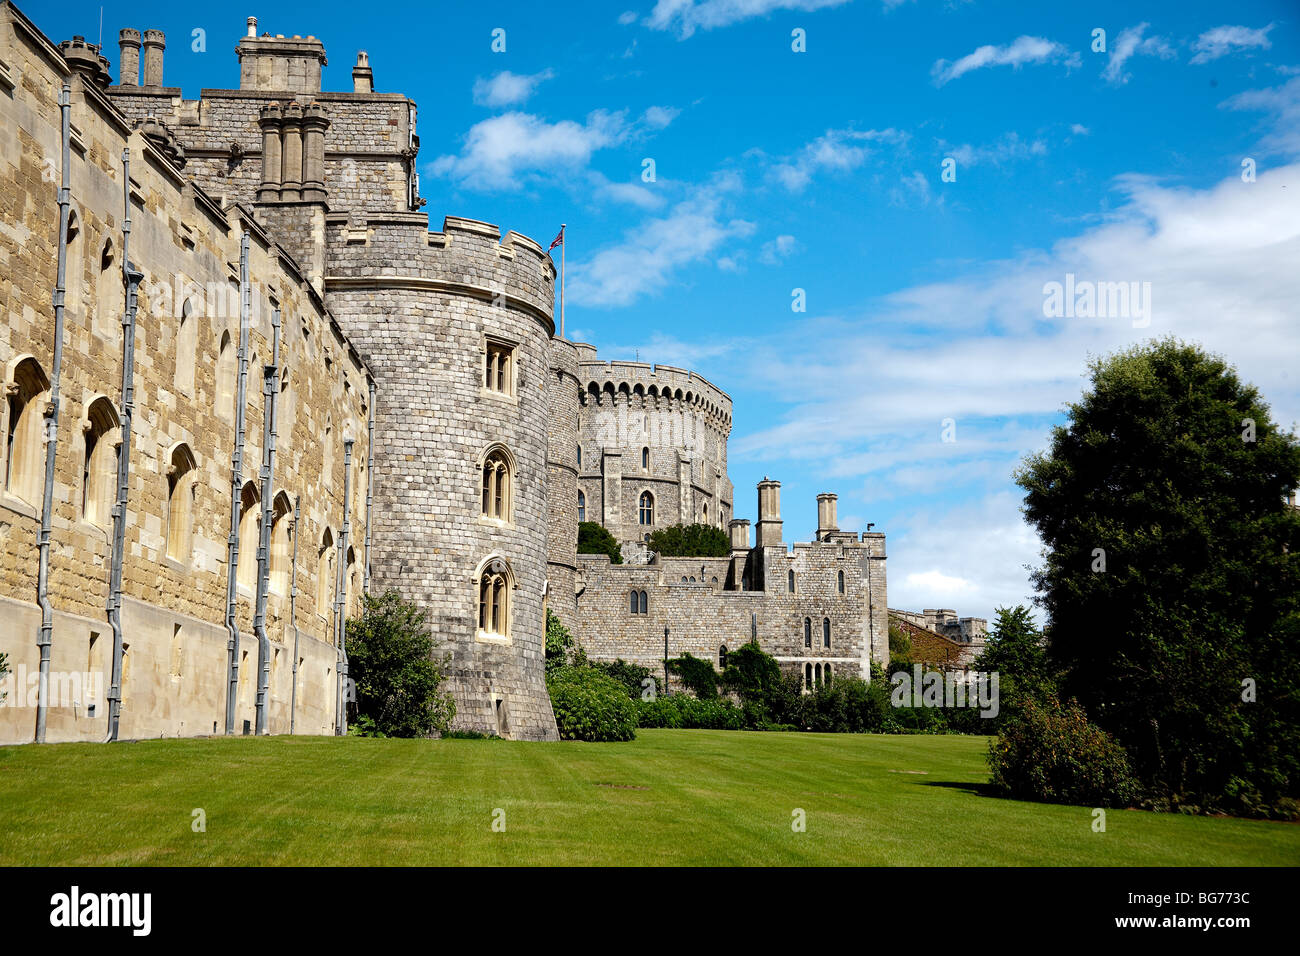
(280, 64)
(768, 534)
(85, 59)
(562, 481)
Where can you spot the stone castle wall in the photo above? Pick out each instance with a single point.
(175, 641)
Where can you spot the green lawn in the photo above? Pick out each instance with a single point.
(670, 797)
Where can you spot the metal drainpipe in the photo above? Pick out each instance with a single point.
(52, 423)
(340, 597)
(370, 484)
(236, 484)
(270, 395)
(293, 615)
(133, 278)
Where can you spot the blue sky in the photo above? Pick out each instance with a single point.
(777, 170)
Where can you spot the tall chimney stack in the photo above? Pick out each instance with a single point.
(128, 42)
(154, 44)
(252, 26)
(363, 78)
(768, 534)
(826, 519)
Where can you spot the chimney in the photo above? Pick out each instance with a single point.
(154, 44)
(768, 534)
(826, 519)
(363, 78)
(128, 73)
(252, 27)
(739, 528)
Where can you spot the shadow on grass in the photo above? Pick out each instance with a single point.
(978, 789)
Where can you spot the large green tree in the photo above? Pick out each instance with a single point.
(1170, 574)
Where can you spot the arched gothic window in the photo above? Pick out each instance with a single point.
(826, 632)
(24, 432)
(250, 527)
(807, 632)
(494, 598)
(496, 485)
(226, 373)
(790, 580)
(281, 544)
(325, 574)
(99, 462)
(582, 506)
(180, 504)
(647, 508)
(841, 582)
(808, 676)
(722, 657)
(645, 459)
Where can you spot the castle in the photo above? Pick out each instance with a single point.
(245, 383)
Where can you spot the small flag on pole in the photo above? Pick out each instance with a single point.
(558, 241)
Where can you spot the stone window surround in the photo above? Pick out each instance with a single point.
(494, 344)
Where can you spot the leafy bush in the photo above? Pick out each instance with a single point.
(698, 675)
(390, 658)
(691, 541)
(593, 538)
(752, 675)
(561, 649)
(1050, 752)
(590, 705)
(685, 711)
(634, 677)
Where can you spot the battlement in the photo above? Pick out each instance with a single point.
(396, 250)
(610, 381)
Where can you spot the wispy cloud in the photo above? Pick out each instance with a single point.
(1128, 44)
(1005, 150)
(1223, 40)
(836, 150)
(1017, 53)
(776, 250)
(687, 16)
(1282, 103)
(508, 89)
(642, 262)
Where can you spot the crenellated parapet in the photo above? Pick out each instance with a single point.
(642, 383)
(396, 250)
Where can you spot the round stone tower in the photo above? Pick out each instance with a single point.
(562, 481)
(457, 326)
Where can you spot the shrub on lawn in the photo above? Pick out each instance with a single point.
(685, 711)
(390, 658)
(590, 705)
(594, 538)
(637, 679)
(1049, 752)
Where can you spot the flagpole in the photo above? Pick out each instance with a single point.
(562, 245)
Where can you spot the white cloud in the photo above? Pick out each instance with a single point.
(633, 194)
(641, 263)
(504, 151)
(687, 16)
(1022, 50)
(1078, 129)
(627, 17)
(836, 150)
(507, 89)
(775, 250)
(1223, 40)
(1131, 43)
